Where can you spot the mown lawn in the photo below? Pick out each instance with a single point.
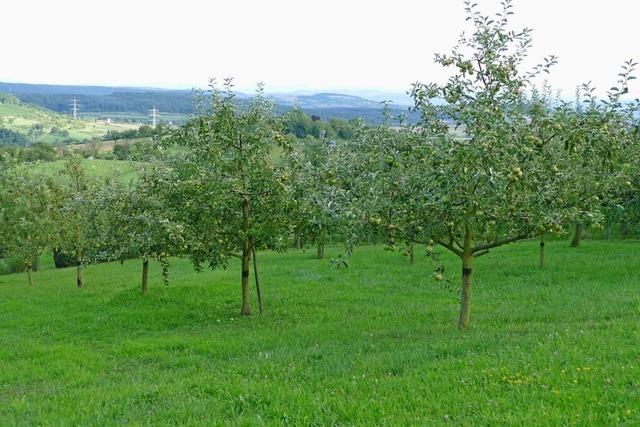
(376, 343)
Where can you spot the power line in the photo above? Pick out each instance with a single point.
(74, 108)
(154, 116)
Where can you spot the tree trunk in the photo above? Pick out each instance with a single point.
(465, 297)
(320, 248)
(246, 254)
(255, 273)
(145, 276)
(541, 249)
(577, 236)
(79, 279)
(624, 230)
(29, 275)
(412, 253)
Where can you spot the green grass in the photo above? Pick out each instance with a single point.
(95, 167)
(376, 343)
(20, 117)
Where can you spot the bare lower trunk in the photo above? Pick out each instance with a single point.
(320, 248)
(29, 275)
(246, 307)
(577, 236)
(465, 298)
(465, 295)
(145, 276)
(542, 250)
(246, 254)
(412, 253)
(255, 273)
(79, 279)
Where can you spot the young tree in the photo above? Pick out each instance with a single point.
(384, 176)
(27, 216)
(473, 193)
(602, 133)
(506, 180)
(135, 221)
(74, 225)
(233, 194)
(315, 191)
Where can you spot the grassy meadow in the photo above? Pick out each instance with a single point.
(121, 169)
(21, 118)
(376, 343)
(175, 118)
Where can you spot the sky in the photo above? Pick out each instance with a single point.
(294, 44)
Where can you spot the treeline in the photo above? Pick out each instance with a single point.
(369, 115)
(295, 122)
(144, 131)
(298, 123)
(9, 137)
(40, 151)
(180, 102)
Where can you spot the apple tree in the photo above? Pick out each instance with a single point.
(602, 132)
(232, 190)
(75, 222)
(472, 190)
(27, 215)
(134, 220)
(315, 191)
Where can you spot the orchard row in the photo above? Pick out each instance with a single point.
(495, 158)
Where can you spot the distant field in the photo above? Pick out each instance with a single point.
(140, 118)
(22, 117)
(95, 167)
(374, 344)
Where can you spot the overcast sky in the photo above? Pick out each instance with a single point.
(293, 44)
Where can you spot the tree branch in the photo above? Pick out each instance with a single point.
(450, 247)
(497, 243)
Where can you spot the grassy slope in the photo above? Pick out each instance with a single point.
(94, 167)
(373, 344)
(21, 117)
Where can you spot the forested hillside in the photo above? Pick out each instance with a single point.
(138, 101)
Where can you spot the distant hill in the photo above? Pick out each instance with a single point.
(324, 100)
(38, 124)
(33, 88)
(399, 99)
(102, 100)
